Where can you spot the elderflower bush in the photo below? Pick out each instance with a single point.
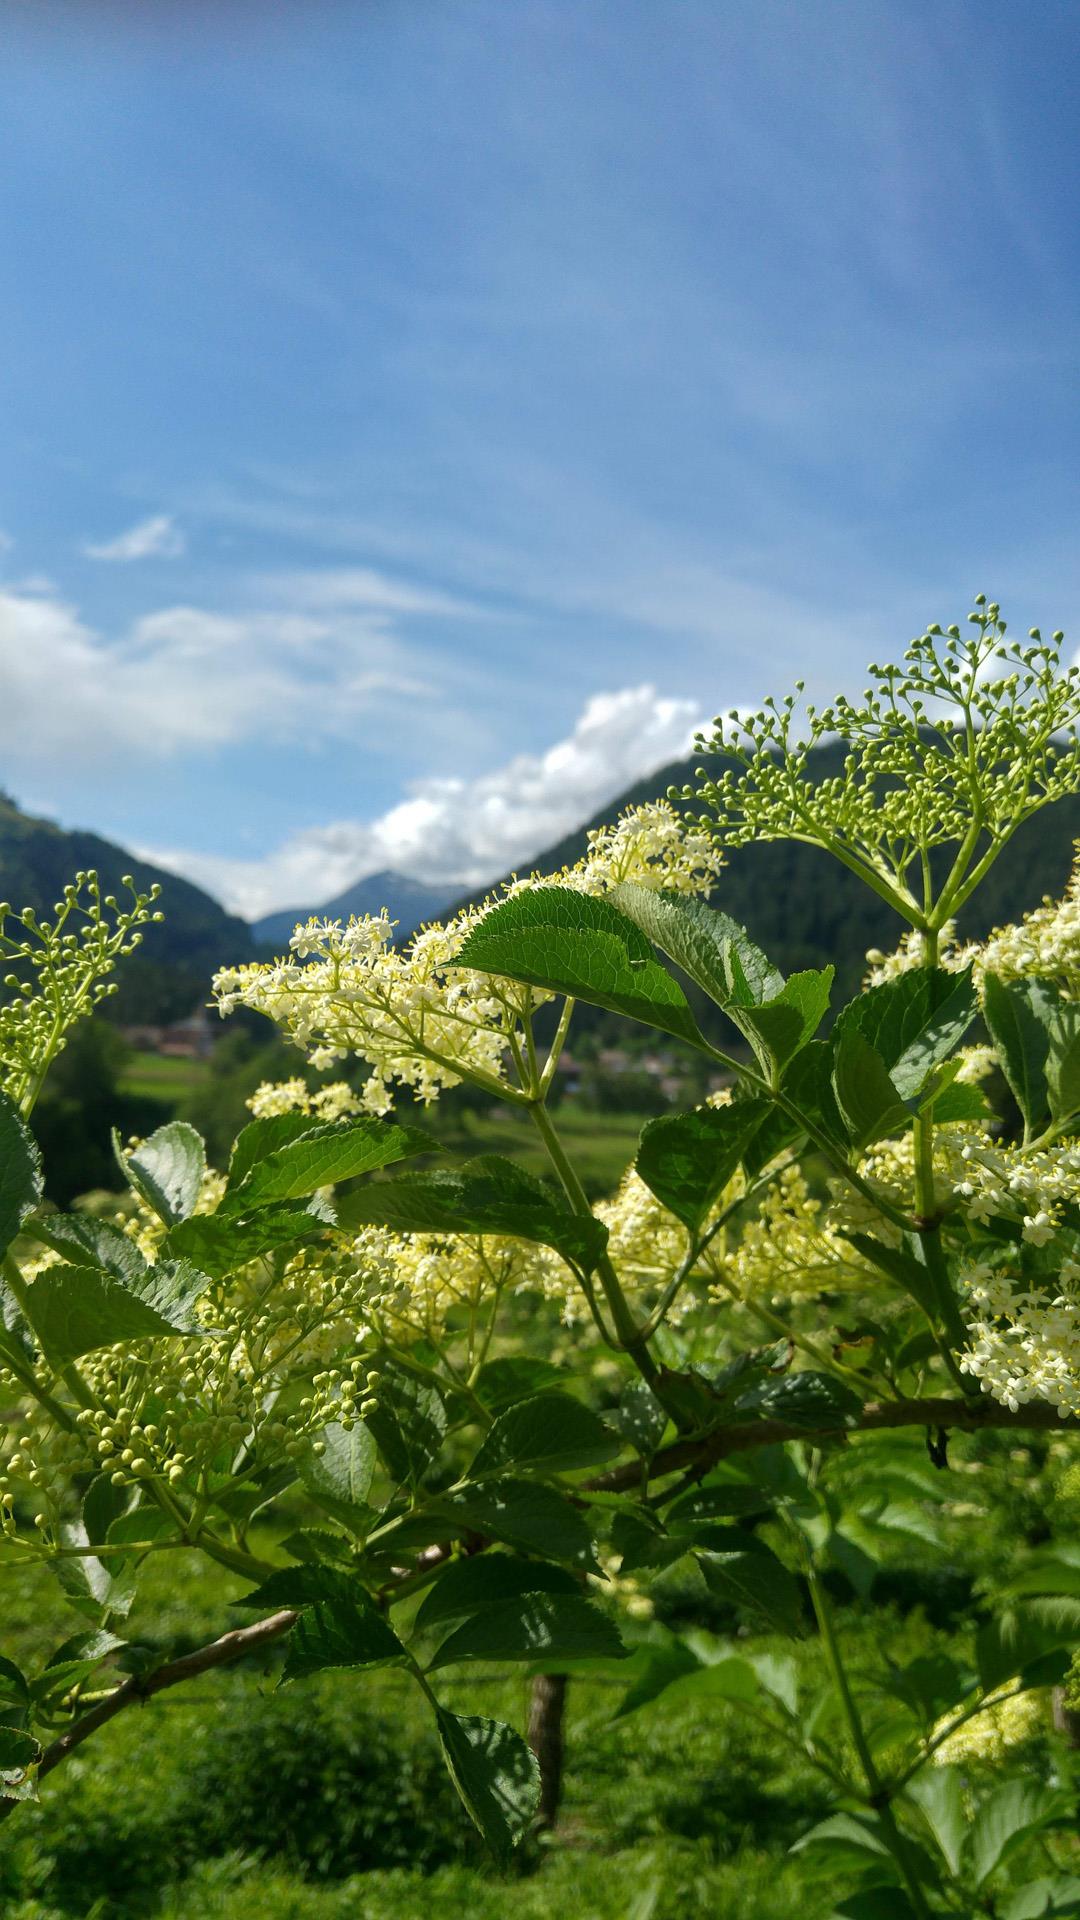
(505, 1414)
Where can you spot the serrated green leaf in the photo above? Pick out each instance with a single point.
(902, 1266)
(778, 1029)
(959, 1103)
(1060, 1019)
(1021, 1041)
(713, 1501)
(220, 1243)
(319, 1545)
(868, 1102)
(640, 1418)
(14, 1686)
(913, 1022)
(533, 1626)
(167, 1170)
(845, 1834)
(711, 948)
(752, 1577)
(501, 1383)
(496, 1775)
(345, 1629)
(467, 1586)
(310, 1583)
(141, 1524)
(1022, 1638)
(76, 1310)
(19, 1752)
(262, 1137)
(94, 1588)
(102, 1504)
(485, 1195)
(339, 1632)
(407, 1423)
(322, 1157)
(339, 1478)
(805, 1399)
(525, 1514)
(1014, 1810)
(86, 1242)
(1053, 1896)
(656, 1668)
(640, 1540)
(938, 1792)
(20, 1172)
(807, 1082)
(552, 1432)
(687, 1159)
(72, 1663)
(580, 945)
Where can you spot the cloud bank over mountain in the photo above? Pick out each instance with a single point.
(466, 829)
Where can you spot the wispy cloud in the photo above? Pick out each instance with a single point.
(185, 679)
(158, 538)
(465, 831)
(320, 588)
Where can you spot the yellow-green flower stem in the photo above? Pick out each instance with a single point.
(630, 1336)
(952, 1333)
(778, 1325)
(877, 1796)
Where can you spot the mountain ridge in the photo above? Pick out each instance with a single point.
(409, 902)
(170, 972)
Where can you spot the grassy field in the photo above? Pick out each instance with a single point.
(155, 1076)
(601, 1145)
(328, 1801)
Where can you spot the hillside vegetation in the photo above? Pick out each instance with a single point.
(171, 972)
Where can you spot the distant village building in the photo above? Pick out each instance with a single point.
(190, 1039)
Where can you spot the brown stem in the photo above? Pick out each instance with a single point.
(547, 1705)
(963, 1416)
(141, 1687)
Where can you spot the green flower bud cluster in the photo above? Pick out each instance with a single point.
(38, 1465)
(956, 746)
(59, 972)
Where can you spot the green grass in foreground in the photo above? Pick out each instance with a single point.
(232, 1800)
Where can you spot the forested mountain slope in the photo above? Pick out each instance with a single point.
(170, 974)
(806, 910)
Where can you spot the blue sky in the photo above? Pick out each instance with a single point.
(417, 414)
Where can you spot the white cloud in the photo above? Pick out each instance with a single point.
(158, 538)
(325, 587)
(184, 678)
(460, 830)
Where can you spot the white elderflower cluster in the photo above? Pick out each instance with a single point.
(791, 1248)
(1025, 1340)
(409, 1013)
(1028, 1185)
(429, 1282)
(645, 1241)
(1045, 943)
(652, 845)
(976, 1063)
(911, 953)
(989, 1735)
(334, 1102)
